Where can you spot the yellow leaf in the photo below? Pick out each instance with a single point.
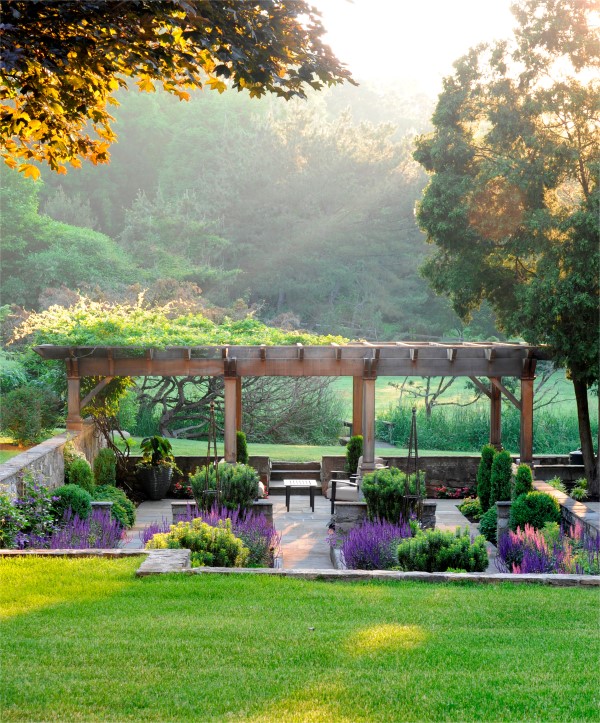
(216, 84)
(29, 171)
(35, 124)
(146, 85)
(10, 162)
(113, 84)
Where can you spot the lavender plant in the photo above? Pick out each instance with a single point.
(99, 530)
(373, 545)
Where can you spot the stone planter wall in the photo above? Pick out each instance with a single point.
(503, 515)
(328, 464)
(572, 511)
(453, 472)
(47, 459)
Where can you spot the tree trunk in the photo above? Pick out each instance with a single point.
(585, 436)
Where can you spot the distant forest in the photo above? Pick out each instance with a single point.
(304, 211)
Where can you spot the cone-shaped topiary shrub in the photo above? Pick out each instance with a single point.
(484, 473)
(500, 484)
(523, 481)
(105, 468)
(242, 448)
(354, 449)
(488, 524)
(79, 473)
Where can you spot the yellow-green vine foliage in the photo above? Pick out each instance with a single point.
(94, 323)
(97, 323)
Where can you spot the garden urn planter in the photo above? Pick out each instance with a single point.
(156, 480)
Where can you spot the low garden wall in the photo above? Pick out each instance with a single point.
(571, 510)
(451, 472)
(47, 459)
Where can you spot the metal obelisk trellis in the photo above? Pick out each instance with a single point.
(210, 461)
(413, 500)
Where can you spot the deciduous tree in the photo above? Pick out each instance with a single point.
(62, 62)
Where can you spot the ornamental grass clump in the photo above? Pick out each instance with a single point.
(373, 545)
(437, 551)
(210, 546)
(237, 483)
(385, 492)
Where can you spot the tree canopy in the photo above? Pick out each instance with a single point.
(62, 61)
(512, 203)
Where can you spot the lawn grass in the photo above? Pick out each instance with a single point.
(83, 640)
(283, 452)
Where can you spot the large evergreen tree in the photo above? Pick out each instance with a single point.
(512, 203)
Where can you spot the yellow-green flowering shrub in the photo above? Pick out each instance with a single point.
(210, 546)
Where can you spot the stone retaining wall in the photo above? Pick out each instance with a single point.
(571, 510)
(47, 459)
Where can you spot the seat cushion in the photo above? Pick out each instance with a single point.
(343, 493)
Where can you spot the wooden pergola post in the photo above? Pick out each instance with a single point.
(495, 416)
(368, 416)
(526, 450)
(74, 420)
(230, 379)
(357, 405)
(238, 404)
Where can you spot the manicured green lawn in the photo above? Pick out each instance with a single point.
(284, 452)
(83, 640)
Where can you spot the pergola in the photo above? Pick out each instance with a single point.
(364, 362)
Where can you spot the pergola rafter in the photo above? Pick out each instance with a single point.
(363, 361)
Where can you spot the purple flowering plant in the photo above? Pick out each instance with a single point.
(372, 545)
(255, 531)
(550, 550)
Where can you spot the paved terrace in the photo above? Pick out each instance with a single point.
(304, 533)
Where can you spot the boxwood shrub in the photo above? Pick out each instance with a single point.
(122, 508)
(74, 497)
(535, 509)
(438, 550)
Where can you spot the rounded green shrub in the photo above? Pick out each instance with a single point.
(210, 546)
(74, 497)
(79, 473)
(500, 479)
(484, 473)
(354, 449)
(122, 509)
(523, 481)
(28, 412)
(242, 448)
(437, 550)
(488, 523)
(535, 509)
(238, 485)
(471, 508)
(105, 467)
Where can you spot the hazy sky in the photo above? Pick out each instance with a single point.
(411, 39)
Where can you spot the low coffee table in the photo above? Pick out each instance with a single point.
(298, 484)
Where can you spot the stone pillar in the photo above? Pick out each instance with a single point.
(495, 417)
(503, 514)
(183, 510)
(357, 405)
(264, 508)
(368, 462)
(428, 514)
(526, 450)
(230, 419)
(349, 515)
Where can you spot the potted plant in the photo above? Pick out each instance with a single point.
(155, 469)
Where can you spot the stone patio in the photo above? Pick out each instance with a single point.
(304, 534)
